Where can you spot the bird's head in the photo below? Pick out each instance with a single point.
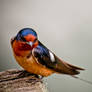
(27, 36)
(25, 40)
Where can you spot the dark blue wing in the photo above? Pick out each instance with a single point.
(51, 61)
(43, 55)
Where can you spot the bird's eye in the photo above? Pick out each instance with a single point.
(23, 39)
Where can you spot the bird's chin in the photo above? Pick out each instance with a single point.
(28, 47)
(24, 47)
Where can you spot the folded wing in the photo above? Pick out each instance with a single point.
(45, 57)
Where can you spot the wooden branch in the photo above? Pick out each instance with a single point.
(17, 81)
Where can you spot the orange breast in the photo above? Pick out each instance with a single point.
(32, 66)
(20, 48)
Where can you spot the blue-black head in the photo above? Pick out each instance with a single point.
(27, 36)
(23, 33)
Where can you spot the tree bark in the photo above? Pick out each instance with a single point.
(20, 81)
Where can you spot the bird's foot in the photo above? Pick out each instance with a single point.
(26, 74)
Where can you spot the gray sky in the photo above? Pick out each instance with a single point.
(64, 26)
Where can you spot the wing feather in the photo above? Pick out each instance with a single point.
(41, 53)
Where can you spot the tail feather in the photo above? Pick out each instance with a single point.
(66, 68)
(75, 67)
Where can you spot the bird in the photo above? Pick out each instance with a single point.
(36, 58)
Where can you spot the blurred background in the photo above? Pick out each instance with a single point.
(64, 26)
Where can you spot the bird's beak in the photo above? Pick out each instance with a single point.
(30, 43)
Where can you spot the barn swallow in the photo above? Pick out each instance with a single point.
(36, 58)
